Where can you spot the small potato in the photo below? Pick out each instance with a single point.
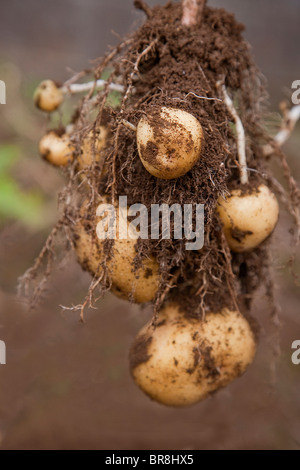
(139, 285)
(169, 142)
(248, 219)
(92, 144)
(182, 360)
(56, 150)
(48, 97)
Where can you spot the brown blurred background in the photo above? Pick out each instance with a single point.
(67, 385)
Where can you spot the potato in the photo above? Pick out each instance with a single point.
(169, 142)
(248, 219)
(140, 285)
(56, 150)
(182, 360)
(92, 144)
(48, 97)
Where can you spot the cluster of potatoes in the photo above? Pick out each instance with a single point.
(179, 360)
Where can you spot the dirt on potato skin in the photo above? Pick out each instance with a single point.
(139, 351)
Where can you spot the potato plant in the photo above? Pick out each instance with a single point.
(186, 126)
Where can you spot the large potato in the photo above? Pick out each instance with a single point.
(140, 284)
(248, 219)
(181, 360)
(169, 142)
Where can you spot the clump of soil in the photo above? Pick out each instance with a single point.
(181, 69)
(165, 63)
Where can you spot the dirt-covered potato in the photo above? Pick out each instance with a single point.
(248, 219)
(182, 360)
(92, 144)
(48, 97)
(140, 284)
(57, 150)
(169, 142)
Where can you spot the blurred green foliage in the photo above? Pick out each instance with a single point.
(16, 203)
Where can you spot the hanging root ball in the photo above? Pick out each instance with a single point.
(183, 360)
(139, 284)
(91, 147)
(57, 150)
(48, 97)
(169, 142)
(248, 219)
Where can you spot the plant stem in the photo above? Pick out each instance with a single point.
(241, 139)
(192, 11)
(82, 87)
